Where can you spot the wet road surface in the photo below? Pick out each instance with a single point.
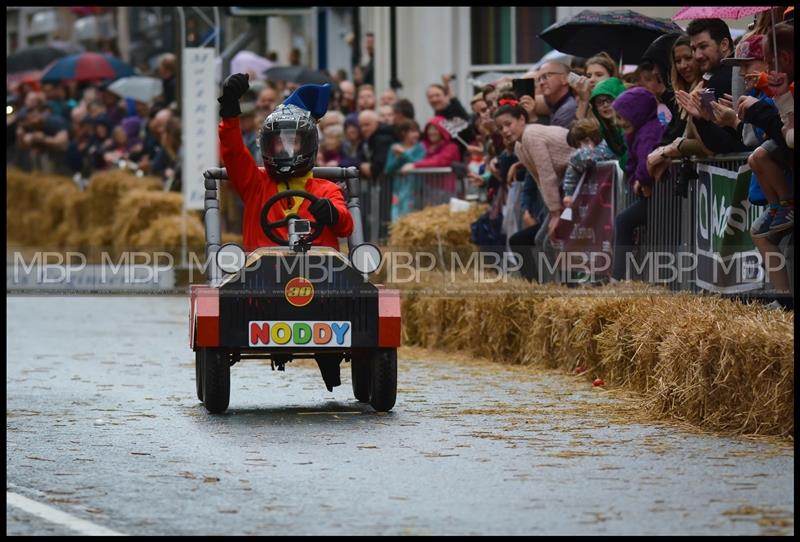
(103, 424)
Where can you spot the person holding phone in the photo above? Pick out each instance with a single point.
(598, 68)
(523, 87)
(711, 43)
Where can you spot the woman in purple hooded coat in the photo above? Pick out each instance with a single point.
(638, 111)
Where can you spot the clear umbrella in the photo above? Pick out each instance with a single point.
(247, 61)
(137, 87)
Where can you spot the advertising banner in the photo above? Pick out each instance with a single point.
(727, 261)
(200, 117)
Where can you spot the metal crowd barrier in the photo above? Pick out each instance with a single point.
(383, 197)
(672, 221)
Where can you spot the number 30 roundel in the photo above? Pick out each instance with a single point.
(299, 292)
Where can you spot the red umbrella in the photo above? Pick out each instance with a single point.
(87, 67)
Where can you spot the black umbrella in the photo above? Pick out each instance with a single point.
(660, 52)
(623, 34)
(32, 58)
(297, 74)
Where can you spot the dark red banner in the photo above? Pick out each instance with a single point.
(587, 226)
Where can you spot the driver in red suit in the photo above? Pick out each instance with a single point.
(288, 140)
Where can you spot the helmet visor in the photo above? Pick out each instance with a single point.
(290, 144)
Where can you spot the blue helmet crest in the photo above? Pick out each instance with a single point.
(312, 98)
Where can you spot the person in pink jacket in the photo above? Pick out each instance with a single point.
(440, 149)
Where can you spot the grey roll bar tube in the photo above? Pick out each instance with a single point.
(212, 221)
(349, 176)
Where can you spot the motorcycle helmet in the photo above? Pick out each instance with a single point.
(289, 141)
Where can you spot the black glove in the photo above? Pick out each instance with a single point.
(324, 211)
(233, 89)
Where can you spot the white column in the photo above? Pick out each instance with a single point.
(313, 38)
(462, 54)
(340, 22)
(425, 52)
(383, 57)
(279, 37)
(123, 36)
(22, 28)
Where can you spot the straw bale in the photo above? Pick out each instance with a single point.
(715, 363)
(23, 189)
(431, 226)
(34, 206)
(164, 234)
(229, 237)
(106, 189)
(138, 210)
(56, 203)
(75, 227)
(729, 367)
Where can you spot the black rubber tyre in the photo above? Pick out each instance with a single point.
(383, 381)
(216, 380)
(198, 372)
(360, 372)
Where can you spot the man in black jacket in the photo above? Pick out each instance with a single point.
(711, 42)
(376, 139)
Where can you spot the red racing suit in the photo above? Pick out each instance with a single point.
(255, 187)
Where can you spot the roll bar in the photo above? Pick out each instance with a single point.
(347, 178)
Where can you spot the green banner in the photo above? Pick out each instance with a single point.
(727, 260)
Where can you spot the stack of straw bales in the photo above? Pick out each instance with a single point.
(106, 191)
(36, 206)
(117, 212)
(164, 234)
(433, 226)
(716, 363)
(137, 211)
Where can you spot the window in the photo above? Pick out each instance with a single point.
(494, 42)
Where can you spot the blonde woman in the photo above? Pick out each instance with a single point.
(686, 76)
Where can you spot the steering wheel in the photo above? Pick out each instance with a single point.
(270, 227)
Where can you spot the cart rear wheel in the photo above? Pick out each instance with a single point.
(360, 372)
(383, 381)
(198, 372)
(216, 375)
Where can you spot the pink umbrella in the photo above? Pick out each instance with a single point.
(726, 12)
(719, 12)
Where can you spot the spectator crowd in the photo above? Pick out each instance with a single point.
(77, 129)
(702, 94)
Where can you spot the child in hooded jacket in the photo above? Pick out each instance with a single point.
(638, 111)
